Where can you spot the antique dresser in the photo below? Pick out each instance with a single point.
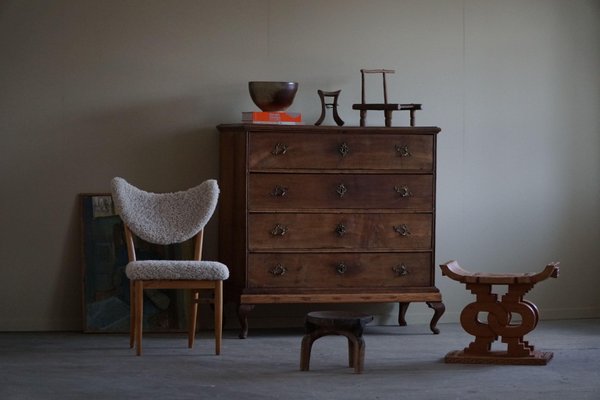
(328, 215)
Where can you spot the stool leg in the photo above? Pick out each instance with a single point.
(305, 349)
(352, 349)
(359, 355)
(356, 352)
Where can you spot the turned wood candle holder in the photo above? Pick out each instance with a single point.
(500, 321)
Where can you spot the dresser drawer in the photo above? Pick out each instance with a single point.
(340, 231)
(342, 270)
(340, 151)
(340, 191)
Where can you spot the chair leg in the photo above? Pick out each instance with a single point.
(195, 296)
(218, 315)
(139, 315)
(131, 314)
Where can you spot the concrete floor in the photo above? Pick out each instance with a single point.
(400, 363)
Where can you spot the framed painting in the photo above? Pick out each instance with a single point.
(105, 285)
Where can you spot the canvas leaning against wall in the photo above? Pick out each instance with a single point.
(105, 285)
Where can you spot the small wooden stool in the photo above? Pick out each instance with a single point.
(499, 316)
(346, 323)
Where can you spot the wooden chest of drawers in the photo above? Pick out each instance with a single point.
(328, 215)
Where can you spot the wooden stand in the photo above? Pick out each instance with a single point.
(333, 106)
(386, 107)
(499, 316)
(349, 324)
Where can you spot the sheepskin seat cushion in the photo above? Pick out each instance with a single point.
(168, 269)
(165, 218)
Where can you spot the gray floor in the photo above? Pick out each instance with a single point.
(400, 363)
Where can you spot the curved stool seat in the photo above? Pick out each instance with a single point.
(345, 323)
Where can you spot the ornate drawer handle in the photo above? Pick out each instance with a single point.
(403, 151)
(400, 270)
(279, 230)
(279, 191)
(340, 229)
(403, 191)
(341, 190)
(402, 230)
(279, 148)
(279, 270)
(344, 149)
(341, 268)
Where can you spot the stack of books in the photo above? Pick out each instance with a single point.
(272, 117)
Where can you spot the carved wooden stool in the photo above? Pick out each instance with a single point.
(346, 323)
(499, 316)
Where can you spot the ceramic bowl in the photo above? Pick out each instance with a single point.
(272, 96)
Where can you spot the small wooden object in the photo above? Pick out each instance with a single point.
(499, 316)
(386, 107)
(333, 106)
(349, 324)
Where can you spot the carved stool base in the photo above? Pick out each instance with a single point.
(498, 357)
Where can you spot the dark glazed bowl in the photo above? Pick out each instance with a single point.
(272, 96)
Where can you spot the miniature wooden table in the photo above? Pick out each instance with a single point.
(499, 316)
(346, 323)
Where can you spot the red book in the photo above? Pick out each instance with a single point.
(273, 117)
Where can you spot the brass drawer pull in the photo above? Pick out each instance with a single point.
(279, 191)
(340, 229)
(341, 268)
(279, 148)
(402, 230)
(279, 270)
(279, 230)
(403, 151)
(344, 149)
(341, 190)
(400, 270)
(403, 191)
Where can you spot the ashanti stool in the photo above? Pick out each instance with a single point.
(346, 323)
(499, 316)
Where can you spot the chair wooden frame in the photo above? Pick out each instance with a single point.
(195, 286)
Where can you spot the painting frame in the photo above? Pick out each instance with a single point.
(105, 287)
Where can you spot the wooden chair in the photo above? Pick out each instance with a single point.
(167, 218)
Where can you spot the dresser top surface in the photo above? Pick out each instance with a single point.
(425, 130)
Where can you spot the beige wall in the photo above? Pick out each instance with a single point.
(94, 89)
